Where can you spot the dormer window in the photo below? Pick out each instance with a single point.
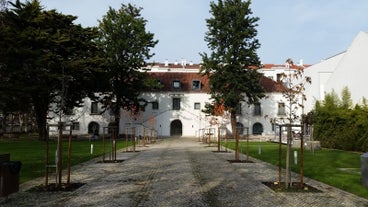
(176, 84)
(196, 85)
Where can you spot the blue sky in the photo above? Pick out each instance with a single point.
(311, 30)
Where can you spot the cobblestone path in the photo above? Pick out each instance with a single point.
(178, 172)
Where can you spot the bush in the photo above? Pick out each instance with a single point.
(338, 125)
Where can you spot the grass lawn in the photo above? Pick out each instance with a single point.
(333, 167)
(32, 154)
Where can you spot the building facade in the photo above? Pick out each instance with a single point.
(175, 109)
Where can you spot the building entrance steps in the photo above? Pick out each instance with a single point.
(178, 172)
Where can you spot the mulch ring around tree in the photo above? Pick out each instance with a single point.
(54, 187)
(222, 151)
(293, 188)
(240, 161)
(111, 161)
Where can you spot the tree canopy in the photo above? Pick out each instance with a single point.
(126, 46)
(46, 59)
(231, 37)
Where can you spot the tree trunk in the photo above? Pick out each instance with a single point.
(302, 156)
(41, 110)
(218, 139)
(287, 164)
(235, 133)
(4, 122)
(280, 151)
(116, 124)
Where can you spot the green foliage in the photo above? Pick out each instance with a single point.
(346, 101)
(340, 126)
(126, 46)
(231, 37)
(47, 60)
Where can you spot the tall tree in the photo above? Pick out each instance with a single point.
(48, 59)
(231, 37)
(126, 45)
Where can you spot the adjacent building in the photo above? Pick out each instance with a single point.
(346, 69)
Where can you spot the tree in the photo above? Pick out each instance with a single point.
(346, 101)
(48, 59)
(231, 37)
(294, 86)
(126, 45)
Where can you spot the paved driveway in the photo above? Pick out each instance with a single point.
(178, 172)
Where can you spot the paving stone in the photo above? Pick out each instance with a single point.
(178, 172)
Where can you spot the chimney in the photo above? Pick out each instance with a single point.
(166, 62)
(301, 62)
(183, 62)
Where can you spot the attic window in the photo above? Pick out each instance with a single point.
(176, 84)
(196, 85)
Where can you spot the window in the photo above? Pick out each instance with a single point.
(197, 106)
(176, 84)
(279, 77)
(176, 104)
(75, 126)
(238, 109)
(257, 109)
(94, 108)
(196, 85)
(154, 105)
(281, 109)
(239, 128)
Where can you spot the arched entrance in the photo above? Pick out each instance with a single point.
(93, 128)
(176, 128)
(257, 128)
(240, 128)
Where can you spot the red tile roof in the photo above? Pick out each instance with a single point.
(167, 78)
(270, 66)
(270, 85)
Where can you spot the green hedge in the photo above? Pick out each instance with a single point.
(338, 125)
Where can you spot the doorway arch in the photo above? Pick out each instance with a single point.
(240, 128)
(93, 128)
(176, 128)
(257, 128)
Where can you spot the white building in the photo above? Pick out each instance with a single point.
(347, 69)
(176, 108)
